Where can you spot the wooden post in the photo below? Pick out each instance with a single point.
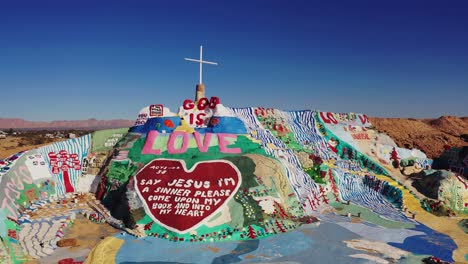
(200, 92)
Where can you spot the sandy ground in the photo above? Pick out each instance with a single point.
(87, 235)
(84, 232)
(9, 146)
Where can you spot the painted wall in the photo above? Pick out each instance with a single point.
(26, 182)
(357, 131)
(65, 161)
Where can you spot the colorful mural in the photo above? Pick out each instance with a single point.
(308, 181)
(64, 159)
(356, 131)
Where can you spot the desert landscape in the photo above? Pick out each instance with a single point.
(233, 132)
(23, 140)
(431, 136)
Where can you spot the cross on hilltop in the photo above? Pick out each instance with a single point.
(200, 89)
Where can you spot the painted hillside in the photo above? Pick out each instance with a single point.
(214, 184)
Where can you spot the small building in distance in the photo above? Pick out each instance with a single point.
(3, 134)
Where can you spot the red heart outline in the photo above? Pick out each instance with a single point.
(185, 172)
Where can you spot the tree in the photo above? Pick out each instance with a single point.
(148, 226)
(251, 233)
(280, 226)
(10, 131)
(62, 162)
(322, 190)
(323, 195)
(281, 211)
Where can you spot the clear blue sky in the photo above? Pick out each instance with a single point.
(97, 59)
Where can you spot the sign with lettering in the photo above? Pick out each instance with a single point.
(156, 110)
(198, 114)
(360, 135)
(141, 119)
(180, 199)
(335, 118)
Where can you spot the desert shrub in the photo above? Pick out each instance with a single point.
(38, 140)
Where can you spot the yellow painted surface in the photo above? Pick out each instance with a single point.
(445, 225)
(105, 252)
(185, 127)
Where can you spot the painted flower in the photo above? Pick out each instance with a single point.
(169, 123)
(214, 121)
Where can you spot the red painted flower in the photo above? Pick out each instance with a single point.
(168, 123)
(214, 121)
(12, 234)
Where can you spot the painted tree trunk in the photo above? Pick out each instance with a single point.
(66, 180)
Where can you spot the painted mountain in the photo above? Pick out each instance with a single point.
(213, 184)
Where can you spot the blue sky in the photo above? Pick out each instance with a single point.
(108, 59)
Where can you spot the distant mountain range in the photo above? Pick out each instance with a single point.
(17, 123)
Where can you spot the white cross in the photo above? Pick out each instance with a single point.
(201, 61)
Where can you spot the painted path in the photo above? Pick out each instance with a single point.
(334, 240)
(446, 225)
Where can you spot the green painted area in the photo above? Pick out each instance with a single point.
(463, 224)
(104, 140)
(290, 141)
(121, 171)
(247, 220)
(368, 215)
(413, 259)
(407, 162)
(16, 253)
(314, 173)
(236, 214)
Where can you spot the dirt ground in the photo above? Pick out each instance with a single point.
(428, 135)
(10, 145)
(83, 233)
(88, 234)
